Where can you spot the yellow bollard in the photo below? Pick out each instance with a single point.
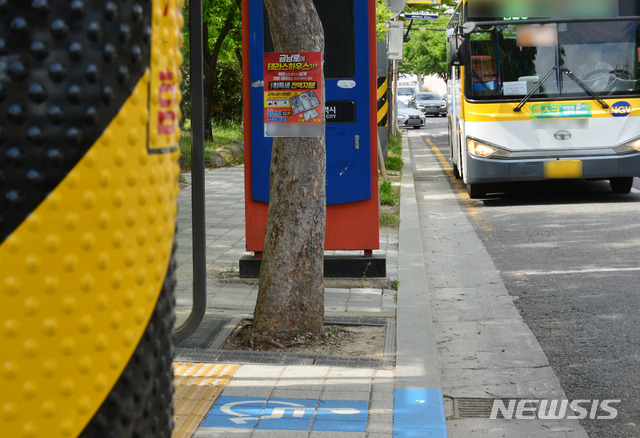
(89, 111)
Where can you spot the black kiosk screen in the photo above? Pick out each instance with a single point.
(338, 20)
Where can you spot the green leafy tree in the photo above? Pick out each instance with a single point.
(222, 40)
(222, 61)
(383, 15)
(426, 52)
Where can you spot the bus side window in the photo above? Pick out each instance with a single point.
(484, 75)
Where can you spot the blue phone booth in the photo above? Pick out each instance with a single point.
(351, 128)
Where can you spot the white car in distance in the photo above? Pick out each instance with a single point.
(409, 117)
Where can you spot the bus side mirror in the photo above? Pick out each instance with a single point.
(458, 43)
(457, 50)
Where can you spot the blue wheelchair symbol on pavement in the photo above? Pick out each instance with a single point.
(288, 414)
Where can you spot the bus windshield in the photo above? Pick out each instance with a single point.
(506, 62)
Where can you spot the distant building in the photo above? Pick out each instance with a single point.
(423, 83)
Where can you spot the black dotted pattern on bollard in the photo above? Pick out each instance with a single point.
(140, 404)
(66, 68)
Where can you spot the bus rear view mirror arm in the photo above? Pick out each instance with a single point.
(468, 27)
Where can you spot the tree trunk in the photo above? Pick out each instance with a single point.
(291, 291)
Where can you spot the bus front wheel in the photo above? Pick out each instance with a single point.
(621, 184)
(476, 190)
(456, 171)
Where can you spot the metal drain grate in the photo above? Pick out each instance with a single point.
(273, 358)
(479, 407)
(346, 320)
(210, 327)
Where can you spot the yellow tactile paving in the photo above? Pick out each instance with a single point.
(197, 387)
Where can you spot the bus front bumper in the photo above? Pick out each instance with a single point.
(486, 170)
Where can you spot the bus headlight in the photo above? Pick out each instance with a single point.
(627, 148)
(484, 150)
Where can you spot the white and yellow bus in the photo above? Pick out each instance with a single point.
(544, 90)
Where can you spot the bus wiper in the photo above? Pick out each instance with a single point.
(535, 89)
(584, 86)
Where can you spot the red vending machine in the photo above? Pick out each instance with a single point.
(351, 136)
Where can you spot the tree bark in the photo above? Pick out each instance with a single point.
(291, 291)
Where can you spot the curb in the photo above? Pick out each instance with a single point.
(418, 403)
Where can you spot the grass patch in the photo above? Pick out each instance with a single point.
(223, 135)
(389, 193)
(395, 144)
(394, 157)
(394, 162)
(390, 204)
(390, 218)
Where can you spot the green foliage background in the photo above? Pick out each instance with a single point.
(223, 33)
(425, 53)
(222, 62)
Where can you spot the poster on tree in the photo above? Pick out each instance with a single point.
(292, 94)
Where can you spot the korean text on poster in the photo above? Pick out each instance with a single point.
(292, 93)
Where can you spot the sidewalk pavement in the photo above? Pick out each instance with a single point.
(432, 331)
(289, 399)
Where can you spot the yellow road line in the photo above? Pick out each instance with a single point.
(459, 185)
(461, 189)
(197, 387)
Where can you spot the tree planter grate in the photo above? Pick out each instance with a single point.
(205, 343)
